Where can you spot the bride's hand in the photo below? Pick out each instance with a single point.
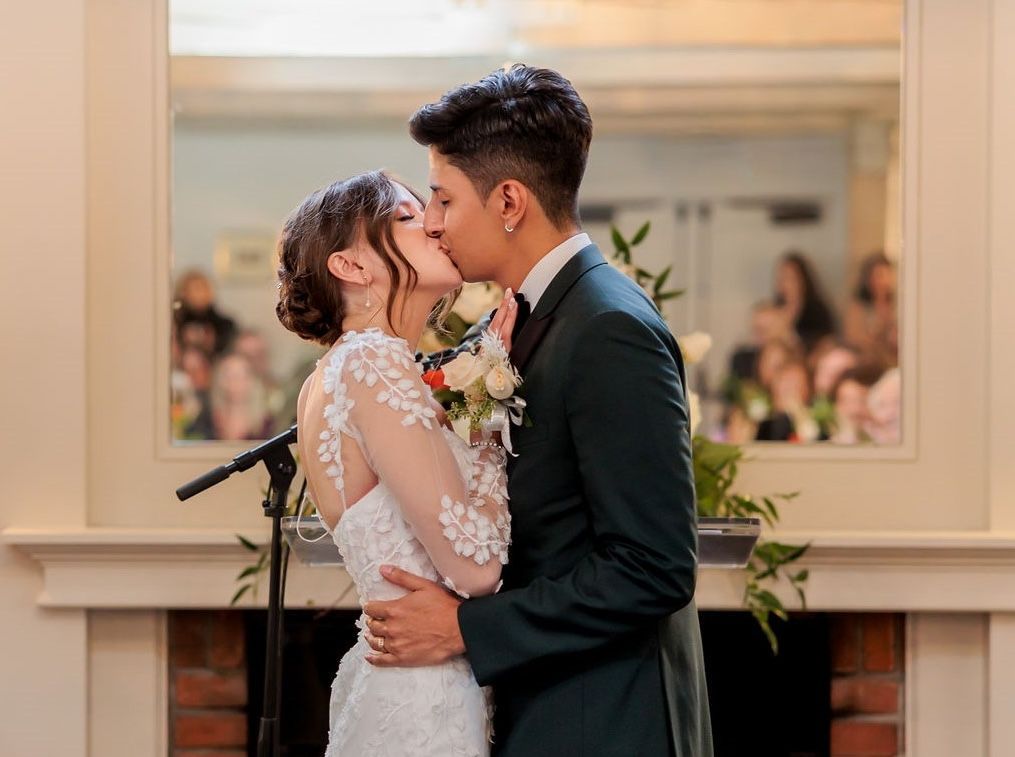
(504, 322)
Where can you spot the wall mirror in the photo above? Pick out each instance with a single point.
(760, 138)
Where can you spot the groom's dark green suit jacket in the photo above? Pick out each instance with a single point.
(592, 645)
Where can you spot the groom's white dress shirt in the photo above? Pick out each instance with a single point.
(549, 266)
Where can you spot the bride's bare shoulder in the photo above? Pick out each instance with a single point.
(301, 401)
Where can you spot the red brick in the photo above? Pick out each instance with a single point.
(879, 643)
(225, 729)
(858, 738)
(845, 633)
(900, 642)
(878, 697)
(228, 645)
(188, 639)
(864, 695)
(204, 688)
(843, 698)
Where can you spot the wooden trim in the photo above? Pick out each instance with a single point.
(163, 568)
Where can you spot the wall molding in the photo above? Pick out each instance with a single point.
(106, 568)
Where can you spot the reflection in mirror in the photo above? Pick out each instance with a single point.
(759, 138)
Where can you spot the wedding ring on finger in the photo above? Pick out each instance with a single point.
(380, 644)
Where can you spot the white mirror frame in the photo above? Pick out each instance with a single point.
(955, 351)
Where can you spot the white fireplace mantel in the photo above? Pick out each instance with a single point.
(112, 568)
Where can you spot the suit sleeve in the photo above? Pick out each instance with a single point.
(629, 424)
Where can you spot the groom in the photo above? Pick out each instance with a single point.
(592, 646)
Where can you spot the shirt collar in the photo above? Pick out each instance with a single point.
(544, 271)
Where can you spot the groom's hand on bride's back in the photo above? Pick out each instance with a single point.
(418, 629)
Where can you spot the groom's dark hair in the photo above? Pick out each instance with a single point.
(521, 123)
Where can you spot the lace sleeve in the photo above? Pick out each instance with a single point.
(452, 496)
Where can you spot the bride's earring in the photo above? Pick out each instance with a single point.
(366, 285)
(508, 229)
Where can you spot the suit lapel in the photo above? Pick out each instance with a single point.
(539, 321)
(528, 339)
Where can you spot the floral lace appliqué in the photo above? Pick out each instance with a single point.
(473, 533)
(404, 712)
(384, 364)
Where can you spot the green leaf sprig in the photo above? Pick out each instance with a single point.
(652, 283)
(715, 472)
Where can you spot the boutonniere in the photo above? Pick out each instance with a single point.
(480, 386)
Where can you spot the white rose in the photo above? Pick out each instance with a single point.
(500, 383)
(462, 371)
(694, 346)
(694, 408)
(476, 300)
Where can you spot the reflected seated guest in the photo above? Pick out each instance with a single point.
(191, 386)
(774, 355)
(750, 400)
(871, 322)
(194, 303)
(254, 347)
(768, 323)
(238, 407)
(790, 419)
(801, 299)
(830, 365)
(884, 409)
(197, 335)
(849, 398)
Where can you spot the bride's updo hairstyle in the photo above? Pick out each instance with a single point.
(358, 209)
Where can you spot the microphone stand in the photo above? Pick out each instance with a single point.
(282, 469)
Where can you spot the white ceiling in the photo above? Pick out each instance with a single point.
(644, 66)
(512, 28)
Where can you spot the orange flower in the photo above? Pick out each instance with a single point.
(435, 380)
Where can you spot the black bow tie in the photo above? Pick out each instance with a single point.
(523, 314)
(523, 305)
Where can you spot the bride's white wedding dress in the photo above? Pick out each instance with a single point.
(439, 510)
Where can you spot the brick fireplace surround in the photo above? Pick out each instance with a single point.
(208, 684)
(868, 682)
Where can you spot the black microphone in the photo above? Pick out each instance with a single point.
(241, 462)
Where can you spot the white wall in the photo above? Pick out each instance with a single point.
(939, 479)
(43, 453)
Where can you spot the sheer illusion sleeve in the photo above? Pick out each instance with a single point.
(453, 496)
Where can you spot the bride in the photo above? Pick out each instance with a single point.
(390, 479)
